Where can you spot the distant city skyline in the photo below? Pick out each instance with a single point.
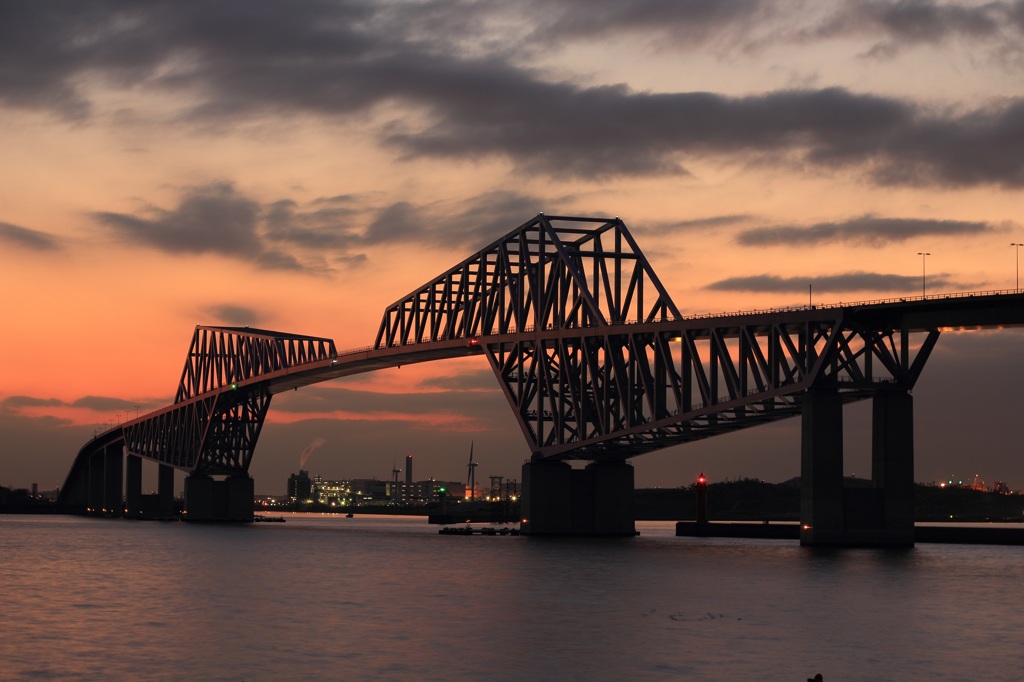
(300, 166)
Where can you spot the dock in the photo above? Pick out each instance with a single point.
(965, 535)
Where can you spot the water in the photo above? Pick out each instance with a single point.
(381, 598)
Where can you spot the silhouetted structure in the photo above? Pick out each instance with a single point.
(300, 487)
(598, 365)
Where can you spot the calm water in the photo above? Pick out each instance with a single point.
(389, 598)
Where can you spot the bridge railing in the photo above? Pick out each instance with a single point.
(853, 304)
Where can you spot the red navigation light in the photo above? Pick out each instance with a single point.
(701, 480)
(473, 341)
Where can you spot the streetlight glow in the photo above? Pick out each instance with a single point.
(924, 255)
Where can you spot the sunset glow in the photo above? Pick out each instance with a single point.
(300, 166)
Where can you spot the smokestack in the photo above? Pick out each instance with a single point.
(408, 469)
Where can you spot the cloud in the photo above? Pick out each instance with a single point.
(467, 96)
(708, 223)
(867, 229)
(22, 237)
(901, 23)
(481, 219)
(330, 225)
(845, 282)
(209, 219)
(234, 315)
(217, 219)
(611, 131)
(321, 235)
(104, 404)
(18, 403)
(399, 222)
(473, 221)
(690, 23)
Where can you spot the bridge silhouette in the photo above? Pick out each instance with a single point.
(597, 363)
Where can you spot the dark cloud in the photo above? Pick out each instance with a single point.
(105, 404)
(689, 19)
(845, 282)
(603, 132)
(17, 403)
(901, 23)
(399, 222)
(210, 219)
(218, 219)
(22, 237)
(709, 223)
(464, 97)
(234, 315)
(991, 28)
(331, 226)
(278, 260)
(871, 230)
(284, 235)
(481, 219)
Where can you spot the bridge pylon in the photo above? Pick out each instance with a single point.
(836, 511)
(559, 500)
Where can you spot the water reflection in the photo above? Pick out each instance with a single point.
(388, 598)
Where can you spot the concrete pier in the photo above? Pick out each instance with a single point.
(133, 487)
(560, 500)
(833, 514)
(207, 499)
(165, 492)
(94, 487)
(113, 479)
(821, 468)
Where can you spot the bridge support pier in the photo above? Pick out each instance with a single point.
(113, 479)
(165, 491)
(207, 499)
(104, 488)
(94, 487)
(892, 464)
(834, 514)
(133, 487)
(560, 500)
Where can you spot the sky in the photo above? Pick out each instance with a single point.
(300, 166)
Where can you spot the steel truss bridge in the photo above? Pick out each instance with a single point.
(596, 360)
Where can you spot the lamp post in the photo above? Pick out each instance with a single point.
(924, 255)
(1018, 245)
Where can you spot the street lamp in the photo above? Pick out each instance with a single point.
(1018, 262)
(924, 256)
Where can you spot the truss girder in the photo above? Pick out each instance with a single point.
(620, 393)
(553, 272)
(221, 356)
(213, 434)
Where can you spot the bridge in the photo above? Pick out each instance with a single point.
(598, 364)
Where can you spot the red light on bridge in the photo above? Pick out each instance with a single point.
(473, 341)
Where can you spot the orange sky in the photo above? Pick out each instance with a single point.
(301, 166)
